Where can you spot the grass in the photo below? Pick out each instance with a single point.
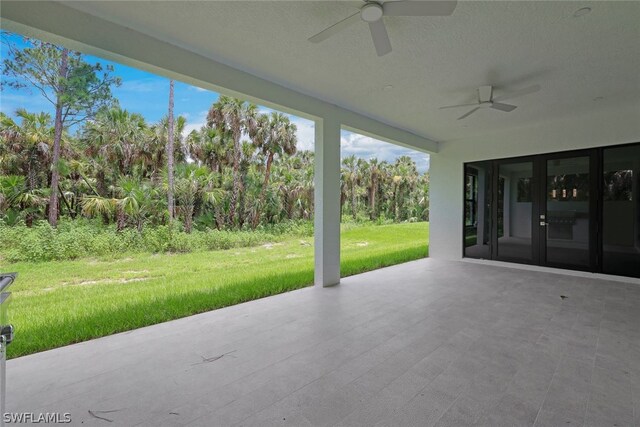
(62, 302)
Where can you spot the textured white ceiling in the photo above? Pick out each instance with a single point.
(435, 61)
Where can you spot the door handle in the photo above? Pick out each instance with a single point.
(542, 223)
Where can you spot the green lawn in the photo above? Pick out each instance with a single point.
(62, 302)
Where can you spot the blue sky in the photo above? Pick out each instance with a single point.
(147, 94)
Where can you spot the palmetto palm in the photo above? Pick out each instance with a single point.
(153, 152)
(137, 200)
(16, 196)
(209, 147)
(115, 139)
(404, 179)
(194, 187)
(275, 135)
(374, 172)
(234, 117)
(26, 146)
(351, 176)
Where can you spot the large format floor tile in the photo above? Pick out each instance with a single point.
(424, 343)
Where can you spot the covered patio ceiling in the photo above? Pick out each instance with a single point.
(436, 61)
(425, 343)
(586, 65)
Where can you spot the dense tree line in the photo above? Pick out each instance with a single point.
(240, 170)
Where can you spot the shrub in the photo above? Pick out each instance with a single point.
(85, 237)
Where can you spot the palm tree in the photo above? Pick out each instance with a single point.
(209, 147)
(114, 140)
(234, 117)
(275, 135)
(247, 164)
(404, 179)
(17, 198)
(194, 188)
(351, 176)
(137, 201)
(373, 173)
(26, 146)
(170, 180)
(98, 206)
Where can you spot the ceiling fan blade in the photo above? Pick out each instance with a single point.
(469, 113)
(503, 107)
(419, 8)
(459, 105)
(525, 91)
(380, 37)
(335, 28)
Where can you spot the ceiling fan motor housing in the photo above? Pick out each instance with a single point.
(485, 94)
(371, 12)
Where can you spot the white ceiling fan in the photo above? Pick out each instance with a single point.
(373, 11)
(487, 100)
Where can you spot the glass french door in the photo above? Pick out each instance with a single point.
(567, 210)
(577, 210)
(514, 211)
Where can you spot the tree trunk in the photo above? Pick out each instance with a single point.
(170, 152)
(236, 178)
(66, 203)
(55, 175)
(242, 195)
(188, 218)
(372, 198)
(267, 174)
(32, 173)
(354, 201)
(396, 210)
(219, 218)
(121, 219)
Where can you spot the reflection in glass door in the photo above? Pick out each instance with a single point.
(577, 210)
(621, 211)
(477, 210)
(515, 211)
(566, 212)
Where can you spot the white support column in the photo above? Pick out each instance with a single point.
(446, 207)
(327, 202)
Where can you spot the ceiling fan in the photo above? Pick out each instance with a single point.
(373, 11)
(487, 100)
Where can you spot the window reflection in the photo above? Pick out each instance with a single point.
(477, 213)
(621, 211)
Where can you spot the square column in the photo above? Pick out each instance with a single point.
(327, 202)
(446, 208)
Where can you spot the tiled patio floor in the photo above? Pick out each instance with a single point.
(424, 343)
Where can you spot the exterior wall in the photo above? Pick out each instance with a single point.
(447, 208)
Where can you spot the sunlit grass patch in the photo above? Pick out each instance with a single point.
(62, 302)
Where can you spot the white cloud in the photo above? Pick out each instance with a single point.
(306, 133)
(198, 121)
(366, 148)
